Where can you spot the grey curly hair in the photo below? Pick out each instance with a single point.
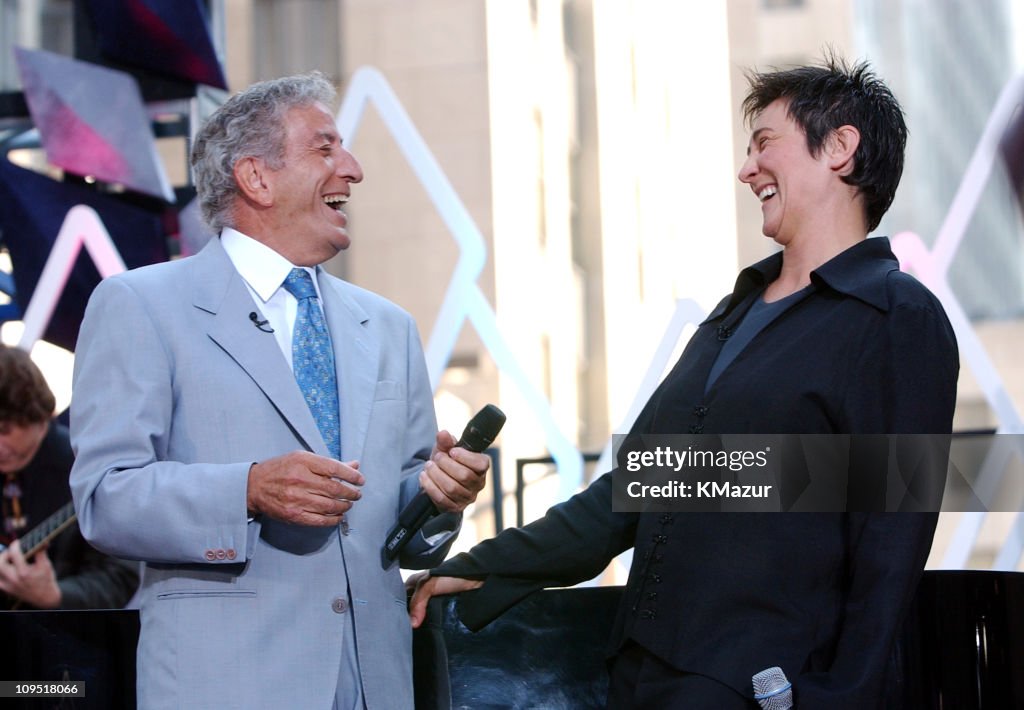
(249, 124)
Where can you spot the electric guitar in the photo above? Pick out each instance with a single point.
(36, 538)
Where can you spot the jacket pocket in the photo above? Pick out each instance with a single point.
(389, 389)
(206, 593)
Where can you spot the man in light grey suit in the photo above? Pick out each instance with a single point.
(197, 452)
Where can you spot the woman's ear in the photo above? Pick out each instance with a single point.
(251, 178)
(841, 147)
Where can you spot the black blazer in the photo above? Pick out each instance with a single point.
(868, 351)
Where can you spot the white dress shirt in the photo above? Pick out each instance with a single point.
(264, 272)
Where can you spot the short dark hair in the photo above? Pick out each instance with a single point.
(25, 398)
(823, 98)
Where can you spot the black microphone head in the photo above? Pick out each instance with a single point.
(482, 429)
(772, 689)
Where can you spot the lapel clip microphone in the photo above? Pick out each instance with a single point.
(254, 317)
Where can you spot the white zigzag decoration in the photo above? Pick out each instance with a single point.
(82, 226)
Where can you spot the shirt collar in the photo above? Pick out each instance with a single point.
(261, 267)
(859, 271)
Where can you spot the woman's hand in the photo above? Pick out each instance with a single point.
(425, 587)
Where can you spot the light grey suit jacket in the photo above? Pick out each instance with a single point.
(176, 393)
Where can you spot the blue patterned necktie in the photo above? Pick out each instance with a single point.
(313, 360)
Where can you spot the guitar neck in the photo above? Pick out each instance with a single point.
(33, 540)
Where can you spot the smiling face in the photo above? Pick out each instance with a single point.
(304, 221)
(787, 180)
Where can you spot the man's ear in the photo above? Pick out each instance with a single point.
(252, 180)
(841, 146)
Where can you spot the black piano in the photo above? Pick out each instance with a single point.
(962, 649)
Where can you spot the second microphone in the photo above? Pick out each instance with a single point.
(480, 431)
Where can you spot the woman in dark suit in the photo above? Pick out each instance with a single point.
(827, 336)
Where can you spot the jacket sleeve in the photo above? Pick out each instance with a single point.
(886, 552)
(131, 501)
(573, 542)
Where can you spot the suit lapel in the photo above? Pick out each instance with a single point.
(222, 293)
(356, 354)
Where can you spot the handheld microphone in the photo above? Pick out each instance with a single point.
(480, 431)
(772, 690)
(254, 317)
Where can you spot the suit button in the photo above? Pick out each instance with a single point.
(339, 605)
(211, 555)
(231, 554)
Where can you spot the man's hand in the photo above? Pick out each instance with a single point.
(454, 476)
(426, 586)
(32, 582)
(303, 488)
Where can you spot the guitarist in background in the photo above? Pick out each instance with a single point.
(35, 459)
